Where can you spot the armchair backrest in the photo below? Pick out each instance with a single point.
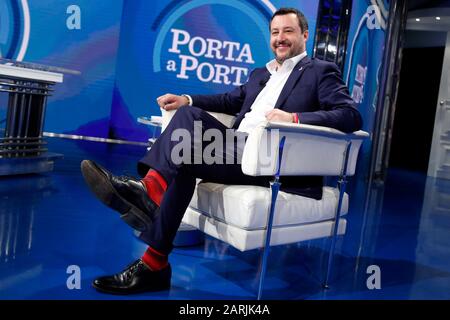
(308, 150)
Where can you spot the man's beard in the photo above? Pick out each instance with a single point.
(280, 60)
(292, 53)
(283, 59)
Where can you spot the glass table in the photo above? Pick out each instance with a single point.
(155, 122)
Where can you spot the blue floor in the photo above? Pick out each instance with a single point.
(49, 222)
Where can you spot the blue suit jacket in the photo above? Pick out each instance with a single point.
(314, 90)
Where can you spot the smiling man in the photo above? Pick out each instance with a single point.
(290, 88)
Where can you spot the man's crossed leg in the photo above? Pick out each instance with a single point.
(155, 204)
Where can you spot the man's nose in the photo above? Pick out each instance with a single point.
(281, 36)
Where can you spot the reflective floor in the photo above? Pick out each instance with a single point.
(50, 222)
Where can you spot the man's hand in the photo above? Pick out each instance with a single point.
(279, 115)
(171, 101)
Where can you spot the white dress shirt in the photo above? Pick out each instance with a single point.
(267, 98)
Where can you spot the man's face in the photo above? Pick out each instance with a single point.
(286, 37)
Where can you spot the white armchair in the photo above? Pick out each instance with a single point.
(250, 217)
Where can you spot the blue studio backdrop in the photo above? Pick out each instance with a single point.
(81, 35)
(197, 46)
(363, 67)
(131, 51)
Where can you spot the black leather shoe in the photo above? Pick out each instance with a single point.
(136, 278)
(121, 193)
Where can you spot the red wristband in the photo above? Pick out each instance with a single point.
(295, 117)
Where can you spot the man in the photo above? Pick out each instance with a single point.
(291, 88)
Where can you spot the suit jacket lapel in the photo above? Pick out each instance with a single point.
(262, 83)
(292, 80)
(252, 97)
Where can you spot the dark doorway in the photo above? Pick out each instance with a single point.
(418, 91)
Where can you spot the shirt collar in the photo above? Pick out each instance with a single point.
(289, 63)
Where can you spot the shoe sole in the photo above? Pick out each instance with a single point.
(102, 188)
(121, 293)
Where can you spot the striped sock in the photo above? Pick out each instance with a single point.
(154, 259)
(156, 186)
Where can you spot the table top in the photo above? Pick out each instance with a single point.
(9, 71)
(155, 121)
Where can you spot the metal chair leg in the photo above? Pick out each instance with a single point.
(342, 185)
(275, 188)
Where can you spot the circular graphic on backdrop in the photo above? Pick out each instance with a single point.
(14, 29)
(198, 41)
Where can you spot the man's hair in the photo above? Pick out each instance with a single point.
(303, 23)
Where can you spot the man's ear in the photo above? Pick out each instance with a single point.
(306, 35)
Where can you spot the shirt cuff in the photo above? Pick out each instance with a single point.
(189, 98)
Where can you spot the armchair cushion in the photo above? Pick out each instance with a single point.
(224, 213)
(247, 207)
(244, 240)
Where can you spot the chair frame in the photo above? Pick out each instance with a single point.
(275, 188)
(276, 184)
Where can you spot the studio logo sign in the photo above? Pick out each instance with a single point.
(195, 42)
(14, 29)
(215, 51)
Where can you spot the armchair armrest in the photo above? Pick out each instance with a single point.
(308, 150)
(226, 119)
